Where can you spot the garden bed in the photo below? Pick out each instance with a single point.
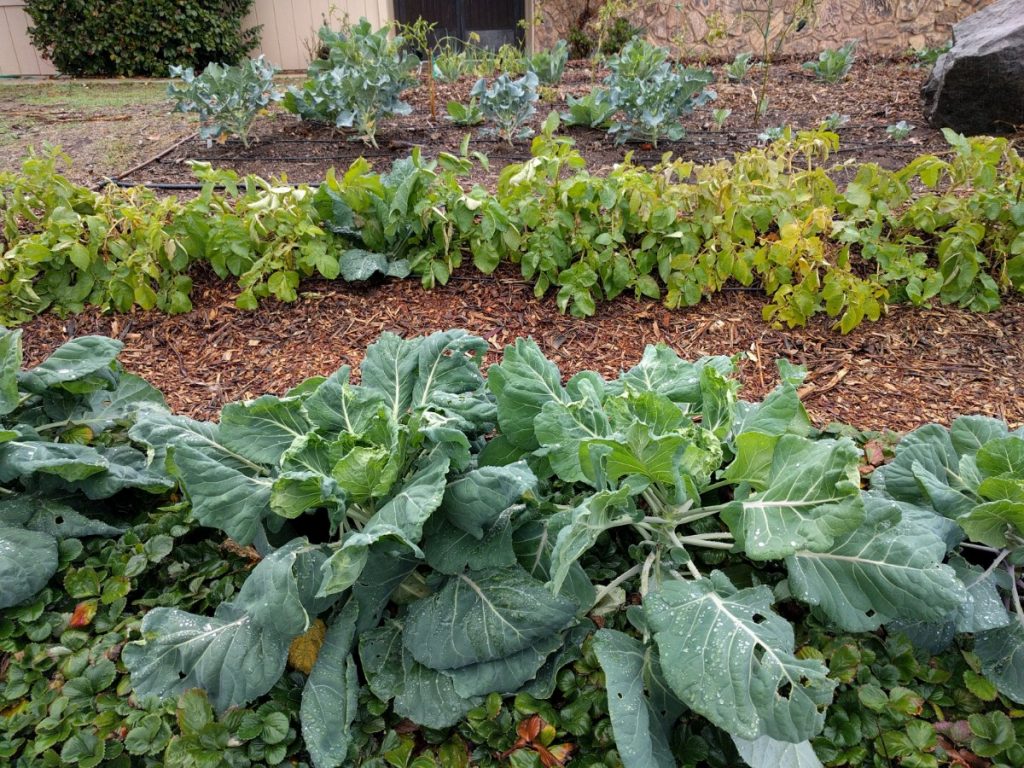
(877, 94)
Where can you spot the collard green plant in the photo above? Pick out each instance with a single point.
(508, 104)
(226, 98)
(652, 94)
(450, 569)
(969, 482)
(899, 131)
(63, 448)
(359, 83)
(738, 69)
(593, 110)
(450, 61)
(833, 64)
(550, 64)
(468, 114)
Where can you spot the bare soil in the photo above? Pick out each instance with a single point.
(877, 94)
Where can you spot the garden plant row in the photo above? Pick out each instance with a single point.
(497, 561)
(773, 218)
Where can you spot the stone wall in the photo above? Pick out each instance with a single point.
(724, 28)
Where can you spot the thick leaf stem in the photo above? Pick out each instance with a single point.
(618, 580)
(1016, 593)
(988, 571)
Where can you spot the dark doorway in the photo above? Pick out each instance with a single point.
(495, 22)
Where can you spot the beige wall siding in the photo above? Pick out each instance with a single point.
(290, 26)
(17, 56)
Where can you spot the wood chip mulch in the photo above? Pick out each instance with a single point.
(912, 367)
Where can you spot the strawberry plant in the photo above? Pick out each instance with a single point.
(359, 83)
(226, 98)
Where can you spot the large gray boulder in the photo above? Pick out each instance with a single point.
(978, 86)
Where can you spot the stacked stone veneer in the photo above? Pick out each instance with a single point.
(883, 27)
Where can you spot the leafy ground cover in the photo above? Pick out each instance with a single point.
(634, 513)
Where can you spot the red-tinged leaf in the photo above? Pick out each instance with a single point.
(555, 757)
(83, 614)
(529, 728)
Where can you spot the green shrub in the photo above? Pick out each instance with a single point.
(147, 37)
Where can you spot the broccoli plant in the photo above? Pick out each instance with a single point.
(359, 83)
(227, 99)
(508, 103)
(652, 94)
(740, 67)
(549, 65)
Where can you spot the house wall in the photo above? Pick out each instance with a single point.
(885, 27)
(17, 56)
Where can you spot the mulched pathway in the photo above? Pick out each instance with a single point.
(911, 367)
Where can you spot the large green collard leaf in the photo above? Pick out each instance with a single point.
(729, 657)
(126, 468)
(400, 520)
(337, 406)
(72, 362)
(222, 496)
(929, 471)
(448, 363)
(1002, 658)
(766, 752)
(562, 427)
(887, 568)
(423, 695)
(996, 523)
(812, 497)
(27, 561)
(389, 369)
(640, 736)
(227, 490)
(505, 675)
(68, 461)
(45, 515)
(474, 501)
(661, 370)
(451, 550)
(483, 616)
(596, 514)
(522, 383)
(10, 366)
(105, 408)
(235, 656)
(264, 428)
(330, 697)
